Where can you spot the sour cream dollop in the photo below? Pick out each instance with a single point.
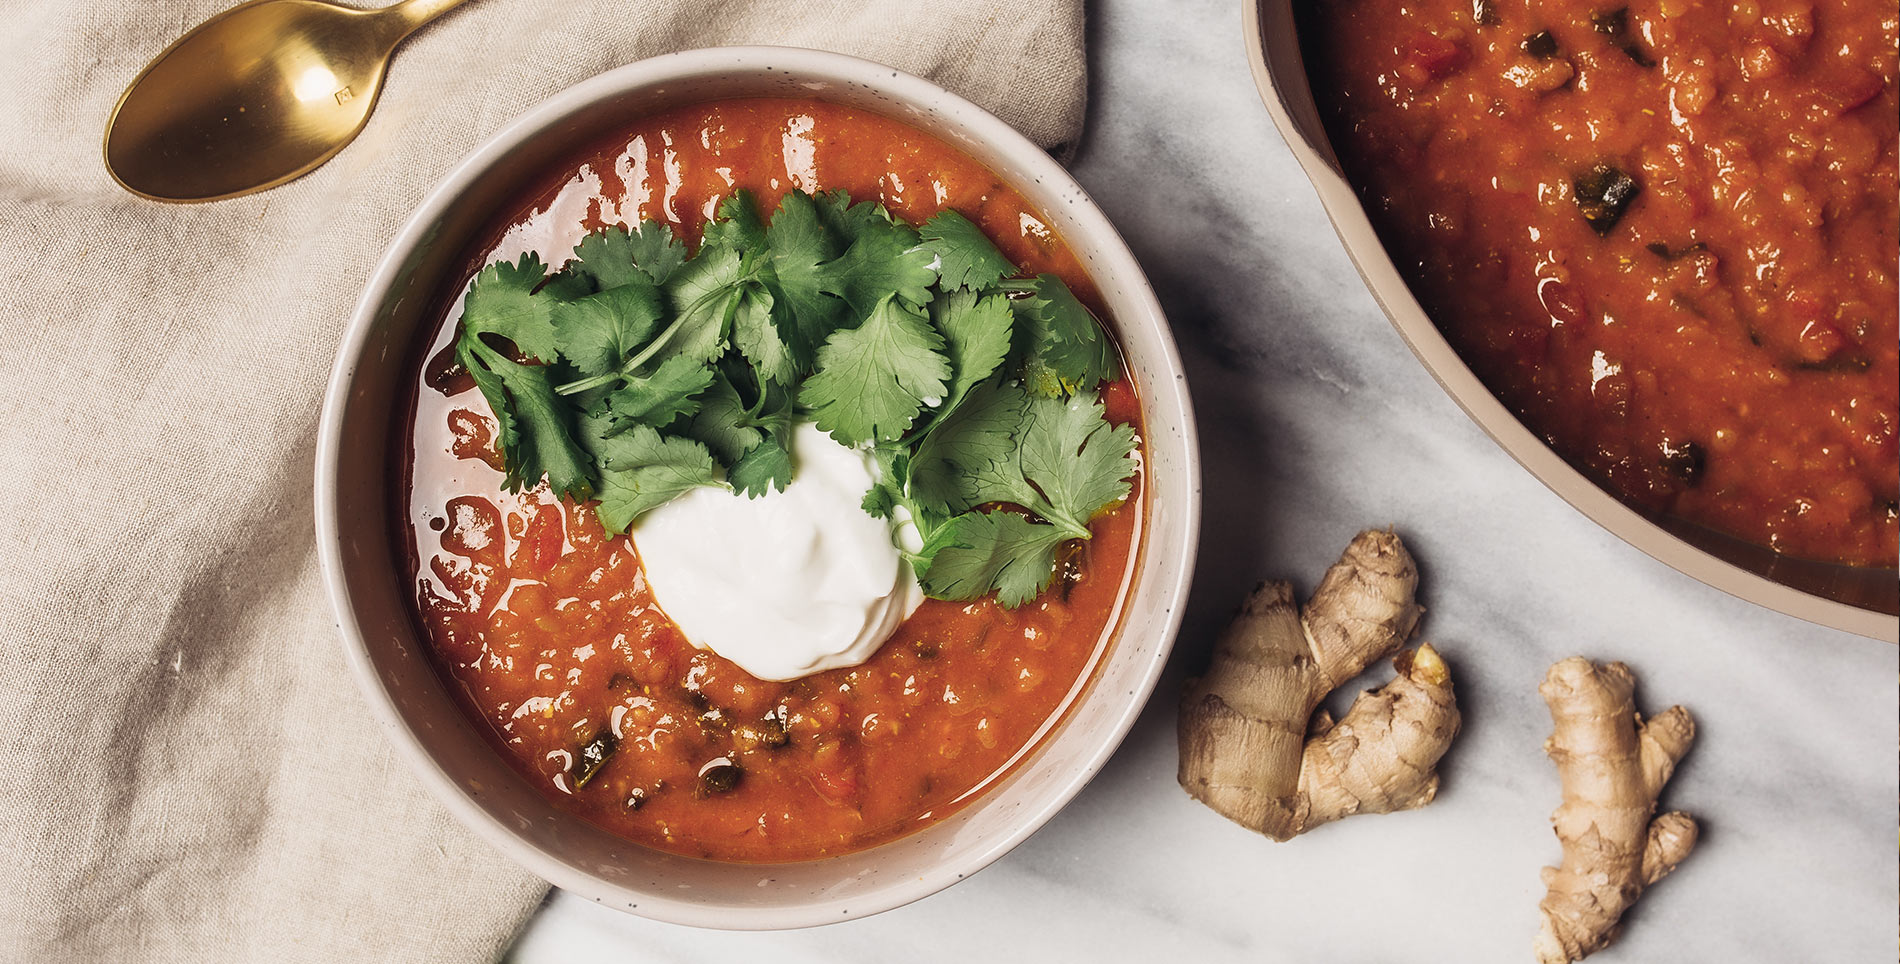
(790, 583)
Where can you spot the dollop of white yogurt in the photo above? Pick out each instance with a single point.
(790, 583)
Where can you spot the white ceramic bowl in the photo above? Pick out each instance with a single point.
(372, 593)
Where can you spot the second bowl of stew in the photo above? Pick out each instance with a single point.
(1649, 247)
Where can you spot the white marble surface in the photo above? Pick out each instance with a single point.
(1316, 421)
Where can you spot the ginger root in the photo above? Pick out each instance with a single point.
(1612, 765)
(1251, 745)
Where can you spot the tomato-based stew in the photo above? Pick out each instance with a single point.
(553, 638)
(1664, 232)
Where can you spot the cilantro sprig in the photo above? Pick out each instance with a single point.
(636, 373)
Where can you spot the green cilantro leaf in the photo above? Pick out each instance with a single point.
(884, 261)
(966, 258)
(737, 226)
(597, 332)
(872, 379)
(846, 220)
(670, 392)
(887, 491)
(534, 433)
(880, 499)
(800, 245)
(1065, 348)
(1079, 461)
(776, 413)
(1069, 463)
(755, 331)
(614, 256)
(605, 257)
(979, 551)
(641, 469)
(722, 422)
(967, 441)
(765, 466)
(568, 284)
(502, 302)
(775, 407)
(658, 251)
(976, 336)
(703, 295)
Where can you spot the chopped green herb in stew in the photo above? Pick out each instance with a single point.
(1604, 192)
(1541, 45)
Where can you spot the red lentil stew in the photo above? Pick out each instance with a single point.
(546, 622)
(1663, 232)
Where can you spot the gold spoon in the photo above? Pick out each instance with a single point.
(258, 95)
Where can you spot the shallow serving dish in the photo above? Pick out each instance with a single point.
(371, 593)
(1857, 599)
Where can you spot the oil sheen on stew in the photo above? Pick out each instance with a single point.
(548, 626)
(1663, 231)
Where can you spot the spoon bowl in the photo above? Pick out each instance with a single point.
(256, 96)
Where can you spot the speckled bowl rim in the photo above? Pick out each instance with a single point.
(1395, 297)
(1166, 587)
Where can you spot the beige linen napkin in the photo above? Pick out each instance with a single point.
(187, 772)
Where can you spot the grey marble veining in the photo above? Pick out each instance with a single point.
(1316, 421)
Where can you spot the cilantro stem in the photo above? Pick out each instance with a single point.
(1030, 497)
(576, 387)
(653, 347)
(1068, 526)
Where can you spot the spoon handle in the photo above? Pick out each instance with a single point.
(412, 14)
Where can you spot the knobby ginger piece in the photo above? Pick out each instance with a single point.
(1251, 746)
(1613, 765)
